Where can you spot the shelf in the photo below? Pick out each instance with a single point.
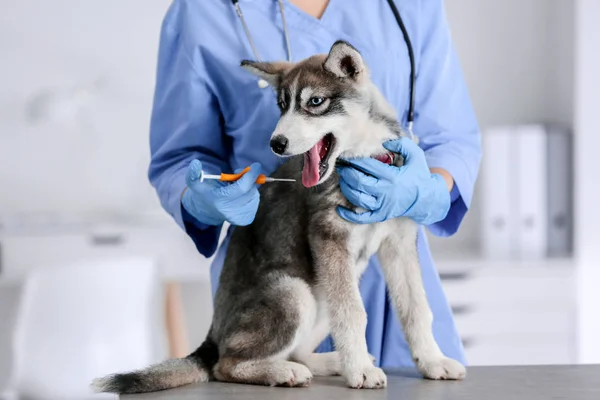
(448, 263)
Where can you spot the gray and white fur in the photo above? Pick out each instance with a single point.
(291, 277)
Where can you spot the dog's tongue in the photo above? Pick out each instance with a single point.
(310, 173)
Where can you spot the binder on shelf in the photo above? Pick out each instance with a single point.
(560, 191)
(531, 179)
(498, 223)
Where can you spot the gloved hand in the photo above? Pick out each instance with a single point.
(213, 202)
(410, 190)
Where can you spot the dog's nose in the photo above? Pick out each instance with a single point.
(279, 144)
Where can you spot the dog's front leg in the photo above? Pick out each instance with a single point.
(338, 280)
(400, 263)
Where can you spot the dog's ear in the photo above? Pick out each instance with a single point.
(345, 61)
(269, 71)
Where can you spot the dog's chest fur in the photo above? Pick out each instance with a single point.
(361, 240)
(364, 241)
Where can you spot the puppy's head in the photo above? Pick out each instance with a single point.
(323, 102)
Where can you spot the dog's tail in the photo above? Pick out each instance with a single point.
(169, 374)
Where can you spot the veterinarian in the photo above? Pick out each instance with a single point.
(209, 109)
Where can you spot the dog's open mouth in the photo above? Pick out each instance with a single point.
(316, 160)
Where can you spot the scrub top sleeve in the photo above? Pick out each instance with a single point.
(444, 118)
(185, 125)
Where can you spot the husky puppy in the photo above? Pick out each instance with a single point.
(291, 277)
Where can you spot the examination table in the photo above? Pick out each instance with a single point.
(577, 382)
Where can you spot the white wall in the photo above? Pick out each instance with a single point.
(560, 63)
(517, 59)
(587, 183)
(49, 48)
(501, 48)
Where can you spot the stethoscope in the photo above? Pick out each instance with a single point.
(263, 84)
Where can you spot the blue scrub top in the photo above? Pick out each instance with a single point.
(207, 107)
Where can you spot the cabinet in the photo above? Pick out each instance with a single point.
(513, 313)
(175, 253)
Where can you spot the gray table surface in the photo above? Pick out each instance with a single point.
(580, 382)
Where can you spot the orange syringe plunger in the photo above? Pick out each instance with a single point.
(261, 179)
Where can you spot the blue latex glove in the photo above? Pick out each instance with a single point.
(389, 191)
(213, 202)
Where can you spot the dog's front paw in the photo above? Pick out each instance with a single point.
(368, 377)
(293, 375)
(441, 368)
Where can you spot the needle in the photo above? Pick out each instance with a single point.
(269, 179)
(234, 177)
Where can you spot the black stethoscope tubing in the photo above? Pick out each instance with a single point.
(411, 107)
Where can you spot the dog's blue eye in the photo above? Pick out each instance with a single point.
(316, 101)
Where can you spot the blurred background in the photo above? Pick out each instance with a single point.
(94, 276)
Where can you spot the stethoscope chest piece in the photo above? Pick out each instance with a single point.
(262, 83)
